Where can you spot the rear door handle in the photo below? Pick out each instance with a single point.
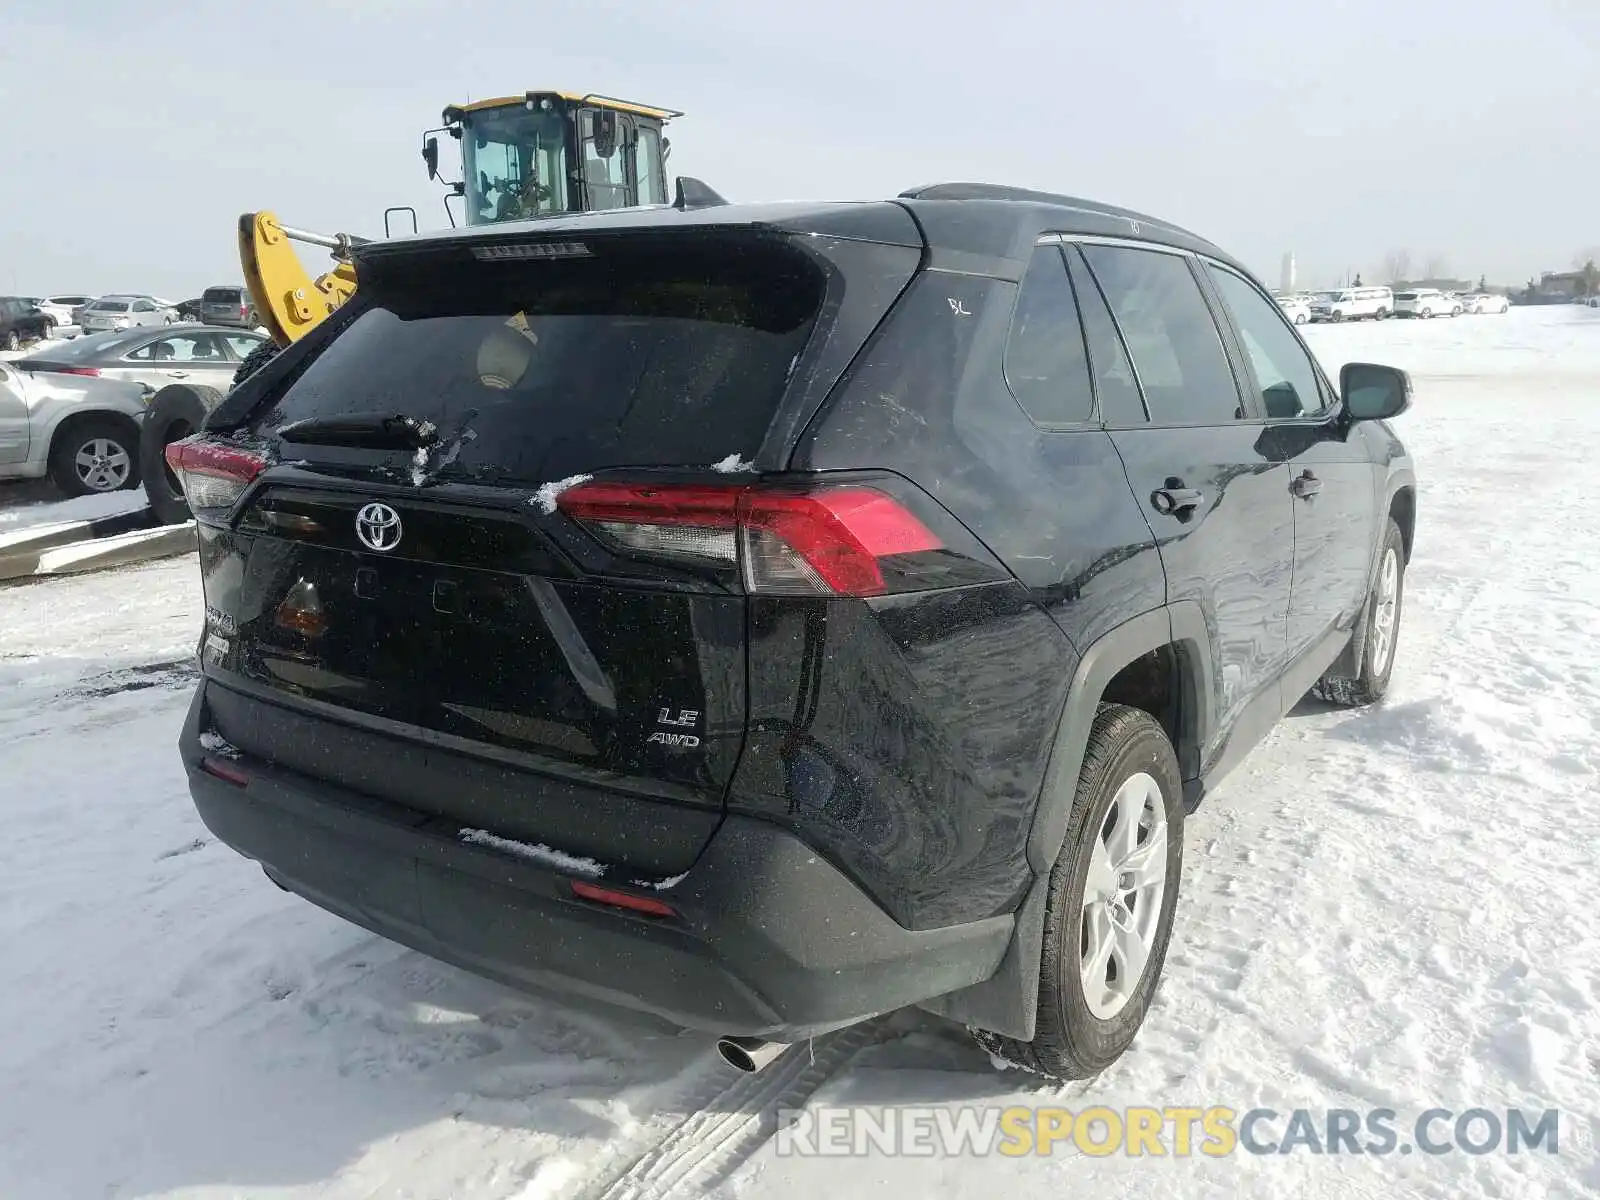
(1305, 485)
(1173, 500)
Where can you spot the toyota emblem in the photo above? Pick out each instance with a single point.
(378, 527)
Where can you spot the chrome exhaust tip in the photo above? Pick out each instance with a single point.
(748, 1054)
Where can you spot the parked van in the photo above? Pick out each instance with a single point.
(1353, 304)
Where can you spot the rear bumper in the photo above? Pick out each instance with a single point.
(771, 939)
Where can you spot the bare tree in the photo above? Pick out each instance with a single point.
(1584, 257)
(1397, 266)
(1435, 267)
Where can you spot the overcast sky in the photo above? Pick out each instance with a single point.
(135, 134)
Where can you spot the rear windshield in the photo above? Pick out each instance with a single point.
(110, 306)
(534, 371)
(93, 345)
(221, 296)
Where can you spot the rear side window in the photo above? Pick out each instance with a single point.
(1170, 334)
(1114, 381)
(1045, 363)
(537, 370)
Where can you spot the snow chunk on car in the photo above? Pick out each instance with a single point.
(547, 495)
(534, 852)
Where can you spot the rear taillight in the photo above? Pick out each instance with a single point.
(829, 541)
(213, 476)
(76, 370)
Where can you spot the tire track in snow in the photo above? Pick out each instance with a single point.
(728, 1122)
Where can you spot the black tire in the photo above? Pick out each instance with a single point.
(13, 342)
(1371, 680)
(1069, 1041)
(176, 411)
(79, 435)
(255, 360)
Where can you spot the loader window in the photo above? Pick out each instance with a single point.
(605, 179)
(516, 164)
(647, 169)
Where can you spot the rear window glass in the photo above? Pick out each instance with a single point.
(220, 296)
(534, 371)
(110, 306)
(92, 345)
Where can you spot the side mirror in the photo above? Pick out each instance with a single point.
(1374, 393)
(605, 133)
(430, 155)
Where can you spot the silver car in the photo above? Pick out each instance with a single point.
(151, 358)
(123, 312)
(81, 431)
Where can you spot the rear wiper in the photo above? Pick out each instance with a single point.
(375, 431)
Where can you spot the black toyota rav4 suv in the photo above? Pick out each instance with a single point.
(770, 616)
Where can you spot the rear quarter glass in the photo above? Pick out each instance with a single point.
(537, 371)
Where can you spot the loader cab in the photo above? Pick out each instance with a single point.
(549, 152)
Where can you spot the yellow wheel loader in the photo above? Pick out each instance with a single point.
(522, 157)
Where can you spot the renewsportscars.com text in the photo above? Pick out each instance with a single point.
(1215, 1131)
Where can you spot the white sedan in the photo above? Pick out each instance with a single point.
(1487, 302)
(1295, 308)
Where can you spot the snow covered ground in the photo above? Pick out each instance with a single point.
(1394, 908)
(36, 504)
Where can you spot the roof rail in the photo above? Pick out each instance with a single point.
(997, 191)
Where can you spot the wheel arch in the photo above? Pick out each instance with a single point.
(77, 417)
(1007, 1002)
(1403, 511)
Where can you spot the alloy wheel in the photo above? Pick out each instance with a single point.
(1122, 896)
(1383, 614)
(102, 465)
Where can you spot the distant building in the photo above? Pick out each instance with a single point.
(1440, 285)
(1286, 279)
(1565, 284)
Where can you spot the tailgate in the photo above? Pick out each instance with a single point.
(468, 673)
